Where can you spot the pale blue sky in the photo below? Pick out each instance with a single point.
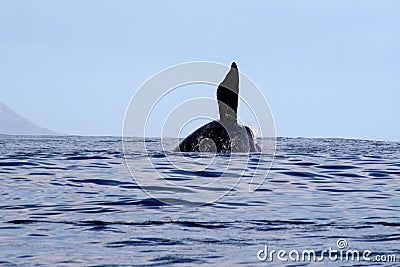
(327, 68)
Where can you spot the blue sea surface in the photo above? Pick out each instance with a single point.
(71, 201)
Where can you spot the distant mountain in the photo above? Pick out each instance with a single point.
(13, 123)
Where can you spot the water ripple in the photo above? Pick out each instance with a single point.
(71, 201)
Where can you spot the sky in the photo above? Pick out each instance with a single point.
(326, 68)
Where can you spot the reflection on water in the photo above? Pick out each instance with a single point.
(71, 200)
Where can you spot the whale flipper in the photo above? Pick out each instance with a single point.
(227, 96)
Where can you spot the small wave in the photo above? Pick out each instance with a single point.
(337, 167)
(149, 241)
(86, 157)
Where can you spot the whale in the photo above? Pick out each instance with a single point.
(224, 135)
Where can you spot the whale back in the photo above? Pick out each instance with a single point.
(216, 137)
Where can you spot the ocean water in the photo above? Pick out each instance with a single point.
(71, 201)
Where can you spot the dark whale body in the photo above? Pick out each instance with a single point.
(225, 135)
(215, 137)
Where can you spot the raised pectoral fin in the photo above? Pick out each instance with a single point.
(227, 96)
